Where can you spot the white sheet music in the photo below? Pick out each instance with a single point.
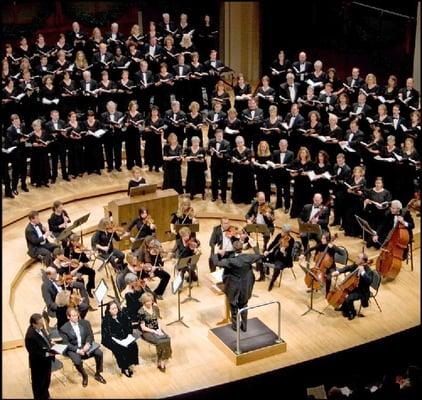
(125, 342)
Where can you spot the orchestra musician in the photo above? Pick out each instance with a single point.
(315, 213)
(239, 280)
(362, 291)
(136, 180)
(186, 246)
(219, 150)
(279, 253)
(103, 238)
(59, 219)
(36, 239)
(184, 215)
(150, 257)
(117, 325)
(76, 251)
(77, 334)
(145, 227)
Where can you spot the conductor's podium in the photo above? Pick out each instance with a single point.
(160, 204)
(258, 342)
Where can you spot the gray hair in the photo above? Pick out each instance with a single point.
(286, 228)
(397, 204)
(195, 139)
(290, 76)
(130, 277)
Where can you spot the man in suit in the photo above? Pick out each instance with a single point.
(302, 69)
(113, 138)
(342, 173)
(239, 280)
(353, 135)
(362, 292)
(315, 213)
(328, 100)
(152, 53)
(354, 82)
(88, 87)
(144, 80)
(360, 109)
(282, 158)
(219, 150)
(114, 38)
(41, 357)
(398, 121)
(175, 119)
(217, 117)
(101, 60)
(36, 239)
(77, 334)
(392, 217)
(222, 241)
(76, 37)
(213, 66)
(289, 91)
(409, 95)
(15, 137)
(166, 26)
(58, 146)
(252, 117)
(181, 73)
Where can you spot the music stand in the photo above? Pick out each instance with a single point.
(308, 228)
(176, 286)
(365, 228)
(189, 262)
(78, 222)
(257, 228)
(142, 189)
(100, 292)
(307, 270)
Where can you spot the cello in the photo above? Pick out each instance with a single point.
(390, 259)
(323, 261)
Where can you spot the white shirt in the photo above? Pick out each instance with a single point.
(407, 93)
(112, 117)
(260, 218)
(339, 170)
(215, 118)
(59, 289)
(113, 36)
(406, 224)
(77, 331)
(38, 230)
(352, 83)
(181, 70)
(253, 114)
(144, 77)
(214, 64)
(88, 86)
(217, 146)
(302, 68)
(395, 122)
(292, 121)
(227, 243)
(359, 109)
(351, 136)
(314, 211)
(102, 57)
(292, 92)
(282, 157)
(152, 50)
(56, 125)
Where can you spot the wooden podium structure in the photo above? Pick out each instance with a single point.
(160, 204)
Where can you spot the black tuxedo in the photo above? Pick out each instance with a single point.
(112, 140)
(365, 112)
(18, 156)
(177, 127)
(387, 225)
(362, 292)
(38, 246)
(39, 361)
(119, 41)
(76, 39)
(88, 101)
(282, 178)
(101, 65)
(353, 141)
(216, 239)
(58, 148)
(397, 130)
(219, 167)
(285, 92)
(342, 174)
(144, 90)
(413, 94)
(251, 131)
(212, 78)
(221, 116)
(302, 76)
(49, 293)
(87, 336)
(298, 122)
(323, 216)
(163, 29)
(182, 86)
(355, 86)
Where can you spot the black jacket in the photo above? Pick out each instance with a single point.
(365, 281)
(253, 212)
(388, 224)
(32, 239)
(224, 149)
(323, 217)
(69, 335)
(37, 348)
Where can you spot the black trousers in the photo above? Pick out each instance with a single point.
(40, 380)
(58, 151)
(164, 277)
(116, 259)
(219, 181)
(77, 359)
(339, 206)
(45, 250)
(347, 306)
(306, 237)
(113, 148)
(283, 190)
(19, 169)
(90, 273)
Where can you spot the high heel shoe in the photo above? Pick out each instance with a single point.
(126, 372)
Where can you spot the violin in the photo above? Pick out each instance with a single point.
(148, 220)
(284, 241)
(65, 280)
(79, 248)
(266, 209)
(232, 231)
(111, 227)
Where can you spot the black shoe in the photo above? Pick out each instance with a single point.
(191, 196)
(157, 169)
(85, 380)
(224, 201)
(46, 185)
(150, 169)
(119, 169)
(130, 371)
(159, 297)
(334, 223)
(271, 286)
(53, 180)
(213, 199)
(15, 192)
(90, 294)
(243, 326)
(203, 197)
(234, 326)
(126, 372)
(66, 179)
(286, 210)
(25, 188)
(109, 169)
(10, 195)
(351, 316)
(162, 369)
(98, 172)
(261, 278)
(99, 378)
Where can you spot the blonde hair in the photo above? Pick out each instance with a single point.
(80, 59)
(147, 297)
(264, 153)
(184, 231)
(131, 104)
(171, 136)
(194, 106)
(360, 169)
(136, 169)
(371, 77)
(305, 149)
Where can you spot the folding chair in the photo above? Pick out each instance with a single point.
(375, 285)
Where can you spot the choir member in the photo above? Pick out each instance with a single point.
(194, 123)
(289, 92)
(388, 94)
(409, 96)
(252, 118)
(181, 72)
(163, 88)
(328, 101)
(135, 36)
(114, 37)
(302, 187)
(302, 69)
(107, 90)
(292, 124)
(232, 128)
(335, 82)
(76, 147)
(271, 129)
(219, 150)
(153, 136)
(68, 91)
(342, 110)
(282, 158)
(214, 66)
(76, 38)
(308, 102)
(169, 52)
(172, 156)
(166, 26)
(197, 166)
(353, 84)
(221, 95)
(242, 94)
(196, 79)
(93, 150)
(144, 81)
(322, 184)
(175, 120)
(262, 171)
(243, 184)
(317, 77)
(80, 65)
(398, 123)
(39, 165)
(136, 180)
(279, 69)
(266, 95)
(215, 119)
(89, 88)
(151, 52)
(133, 123)
(207, 36)
(93, 43)
(186, 47)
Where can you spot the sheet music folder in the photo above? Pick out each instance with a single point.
(307, 227)
(142, 189)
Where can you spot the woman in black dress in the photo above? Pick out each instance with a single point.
(371, 90)
(133, 124)
(354, 201)
(163, 88)
(196, 79)
(221, 95)
(68, 91)
(169, 52)
(243, 183)
(172, 156)
(266, 95)
(262, 171)
(152, 332)
(410, 171)
(333, 79)
(271, 130)
(115, 327)
(279, 69)
(153, 136)
(40, 165)
(137, 179)
(388, 94)
(302, 185)
(76, 148)
(313, 128)
(194, 123)
(48, 95)
(375, 205)
(308, 102)
(322, 184)
(242, 94)
(342, 109)
(107, 92)
(317, 77)
(197, 166)
(93, 147)
(232, 127)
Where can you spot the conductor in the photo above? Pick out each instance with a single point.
(239, 280)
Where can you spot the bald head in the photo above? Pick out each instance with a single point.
(317, 199)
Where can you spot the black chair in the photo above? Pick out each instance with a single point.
(342, 256)
(375, 285)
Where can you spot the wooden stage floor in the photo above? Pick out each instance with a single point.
(196, 362)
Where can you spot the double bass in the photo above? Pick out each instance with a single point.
(390, 259)
(323, 261)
